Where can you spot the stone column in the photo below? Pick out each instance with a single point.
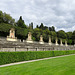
(61, 42)
(66, 43)
(56, 42)
(50, 43)
(41, 40)
(29, 39)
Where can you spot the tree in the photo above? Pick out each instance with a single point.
(37, 26)
(36, 33)
(69, 41)
(21, 23)
(6, 18)
(52, 28)
(31, 25)
(61, 34)
(69, 35)
(45, 27)
(46, 34)
(1, 17)
(73, 37)
(53, 35)
(41, 26)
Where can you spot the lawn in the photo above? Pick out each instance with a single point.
(56, 66)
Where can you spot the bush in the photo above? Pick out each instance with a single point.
(11, 57)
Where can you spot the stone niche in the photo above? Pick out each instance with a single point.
(11, 36)
(29, 39)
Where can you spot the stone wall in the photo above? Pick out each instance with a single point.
(37, 49)
(8, 46)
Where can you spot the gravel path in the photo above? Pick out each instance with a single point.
(32, 60)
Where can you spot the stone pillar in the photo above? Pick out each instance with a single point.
(56, 42)
(41, 40)
(66, 43)
(61, 44)
(29, 39)
(50, 43)
(11, 36)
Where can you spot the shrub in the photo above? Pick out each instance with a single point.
(11, 57)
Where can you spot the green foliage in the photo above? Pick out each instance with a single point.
(7, 22)
(6, 18)
(4, 29)
(53, 35)
(69, 35)
(36, 33)
(41, 26)
(61, 34)
(1, 17)
(46, 34)
(31, 25)
(73, 35)
(52, 28)
(56, 66)
(70, 41)
(21, 33)
(21, 23)
(10, 57)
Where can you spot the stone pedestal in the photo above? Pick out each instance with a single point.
(50, 43)
(66, 43)
(56, 42)
(11, 36)
(41, 40)
(29, 39)
(61, 44)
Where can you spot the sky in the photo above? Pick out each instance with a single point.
(57, 13)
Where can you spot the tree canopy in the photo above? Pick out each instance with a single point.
(7, 22)
(21, 23)
(6, 18)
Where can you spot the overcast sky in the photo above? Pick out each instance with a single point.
(58, 13)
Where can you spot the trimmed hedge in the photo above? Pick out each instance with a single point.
(11, 57)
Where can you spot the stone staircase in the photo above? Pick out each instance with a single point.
(32, 46)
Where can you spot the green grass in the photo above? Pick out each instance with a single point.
(56, 66)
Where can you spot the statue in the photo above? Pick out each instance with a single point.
(56, 42)
(29, 39)
(41, 40)
(66, 43)
(11, 36)
(61, 42)
(50, 41)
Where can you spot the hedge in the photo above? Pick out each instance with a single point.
(11, 57)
